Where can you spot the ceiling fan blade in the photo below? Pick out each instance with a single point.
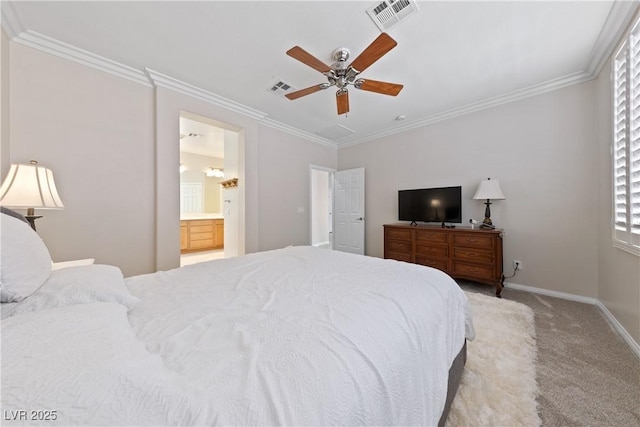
(384, 88)
(306, 58)
(342, 99)
(307, 91)
(376, 50)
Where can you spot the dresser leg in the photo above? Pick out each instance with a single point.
(499, 286)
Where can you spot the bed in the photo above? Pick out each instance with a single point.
(295, 336)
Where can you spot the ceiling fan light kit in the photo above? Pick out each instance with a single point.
(342, 74)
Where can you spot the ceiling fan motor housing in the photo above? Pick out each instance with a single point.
(341, 55)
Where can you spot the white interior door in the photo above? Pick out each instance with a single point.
(349, 211)
(191, 197)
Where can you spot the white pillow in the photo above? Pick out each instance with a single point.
(79, 285)
(25, 262)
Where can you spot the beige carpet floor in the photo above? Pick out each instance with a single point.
(587, 374)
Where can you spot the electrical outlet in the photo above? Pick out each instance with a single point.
(517, 265)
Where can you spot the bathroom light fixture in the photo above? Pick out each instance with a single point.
(28, 187)
(215, 172)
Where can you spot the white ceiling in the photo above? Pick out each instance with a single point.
(451, 55)
(201, 138)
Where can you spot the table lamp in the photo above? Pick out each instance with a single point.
(488, 189)
(30, 187)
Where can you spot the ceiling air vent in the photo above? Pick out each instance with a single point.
(281, 88)
(388, 13)
(334, 132)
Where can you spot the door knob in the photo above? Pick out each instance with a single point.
(360, 219)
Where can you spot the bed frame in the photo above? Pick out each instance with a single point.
(455, 375)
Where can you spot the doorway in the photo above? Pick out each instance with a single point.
(208, 158)
(321, 206)
(337, 209)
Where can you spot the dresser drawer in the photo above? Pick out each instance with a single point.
(200, 236)
(398, 234)
(201, 228)
(198, 222)
(460, 252)
(473, 241)
(440, 264)
(398, 246)
(202, 243)
(473, 255)
(432, 237)
(398, 256)
(433, 251)
(461, 269)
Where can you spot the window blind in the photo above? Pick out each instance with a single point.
(620, 102)
(633, 151)
(626, 143)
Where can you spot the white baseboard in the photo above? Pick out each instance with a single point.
(618, 327)
(562, 295)
(593, 301)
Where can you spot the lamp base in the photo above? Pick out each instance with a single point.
(32, 220)
(487, 224)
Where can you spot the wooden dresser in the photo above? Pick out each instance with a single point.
(463, 253)
(201, 234)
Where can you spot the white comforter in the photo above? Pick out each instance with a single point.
(298, 336)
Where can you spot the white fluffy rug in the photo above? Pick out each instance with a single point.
(498, 386)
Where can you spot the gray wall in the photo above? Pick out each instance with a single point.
(551, 155)
(543, 151)
(113, 147)
(4, 104)
(94, 131)
(284, 187)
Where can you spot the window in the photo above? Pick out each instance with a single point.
(626, 143)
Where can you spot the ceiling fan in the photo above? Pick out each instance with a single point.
(341, 74)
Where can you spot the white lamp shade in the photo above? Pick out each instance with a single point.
(489, 189)
(30, 186)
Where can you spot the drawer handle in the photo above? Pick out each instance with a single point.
(470, 240)
(472, 254)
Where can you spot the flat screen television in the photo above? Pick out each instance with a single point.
(431, 205)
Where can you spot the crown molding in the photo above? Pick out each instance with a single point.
(297, 132)
(10, 20)
(162, 80)
(168, 82)
(56, 47)
(506, 98)
(616, 24)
